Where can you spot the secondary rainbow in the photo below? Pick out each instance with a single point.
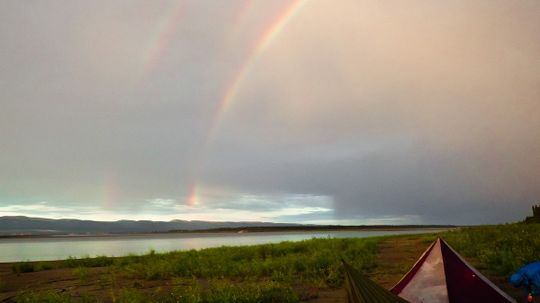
(164, 34)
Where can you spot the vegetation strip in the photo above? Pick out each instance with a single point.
(284, 272)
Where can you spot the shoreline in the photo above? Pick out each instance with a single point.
(252, 268)
(234, 231)
(178, 242)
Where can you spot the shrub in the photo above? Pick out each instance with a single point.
(40, 266)
(87, 261)
(22, 267)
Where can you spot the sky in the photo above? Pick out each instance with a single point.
(325, 112)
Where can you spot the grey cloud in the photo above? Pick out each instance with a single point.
(428, 112)
(437, 123)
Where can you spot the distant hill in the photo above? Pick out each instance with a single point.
(20, 225)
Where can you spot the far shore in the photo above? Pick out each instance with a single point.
(234, 230)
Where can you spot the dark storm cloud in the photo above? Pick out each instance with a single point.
(430, 118)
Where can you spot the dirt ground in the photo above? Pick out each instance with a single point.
(96, 283)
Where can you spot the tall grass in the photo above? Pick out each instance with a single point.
(261, 273)
(43, 297)
(222, 290)
(500, 249)
(316, 261)
(81, 273)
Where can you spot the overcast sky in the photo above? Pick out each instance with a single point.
(341, 112)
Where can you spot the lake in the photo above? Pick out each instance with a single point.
(56, 248)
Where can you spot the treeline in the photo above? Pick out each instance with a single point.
(315, 228)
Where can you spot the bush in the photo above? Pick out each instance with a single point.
(42, 266)
(22, 267)
(99, 261)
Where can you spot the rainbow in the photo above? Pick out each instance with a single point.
(262, 43)
(167, 29)
(230, 92)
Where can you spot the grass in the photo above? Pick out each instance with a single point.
(130, 295)
(44, 297)
(316, 262)
(224, 291)
(40, 266)
(81, 273)
(281, 272)
(499, 249)
(99, 261)
(261, 273)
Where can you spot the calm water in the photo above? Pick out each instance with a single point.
(41, 249)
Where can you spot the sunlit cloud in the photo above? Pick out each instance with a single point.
(162, 203)
(246, 207)
(39, 207)
(45, 209)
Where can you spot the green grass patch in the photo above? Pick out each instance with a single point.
(81, 273)
(43, 297)
(224, 290)
(130, 295)
(316, 261)
(499, 249)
